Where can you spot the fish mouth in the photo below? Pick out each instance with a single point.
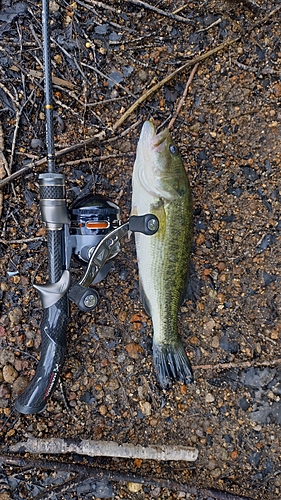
(150, 139)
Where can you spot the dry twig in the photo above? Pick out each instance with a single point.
(101, 474)
(168, 78)
(237, 365)
(4, 169)
(140, 3)
(171, 124)
(22, 240)
(107, 449)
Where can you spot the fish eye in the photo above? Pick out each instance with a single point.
(174, 150)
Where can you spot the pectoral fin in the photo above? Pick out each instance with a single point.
(134, 210)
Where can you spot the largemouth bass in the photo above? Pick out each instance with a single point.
(160, 186)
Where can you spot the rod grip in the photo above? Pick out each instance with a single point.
(55, 317)
(53, 345)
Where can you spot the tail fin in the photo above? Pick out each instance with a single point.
(171, 363)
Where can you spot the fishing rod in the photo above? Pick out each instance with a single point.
(53, 295)
(91, 232)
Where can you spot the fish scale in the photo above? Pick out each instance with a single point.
(161, 187)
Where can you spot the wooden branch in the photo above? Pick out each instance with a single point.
(168, 78)
(147, 6)
(109, 475)
(238, 365)
(106, 449)
(191, 76)
(3, 165)
(21, 241)
(56, 81)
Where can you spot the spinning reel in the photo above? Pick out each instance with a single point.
(92, 235)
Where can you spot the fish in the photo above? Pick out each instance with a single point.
(160, 186)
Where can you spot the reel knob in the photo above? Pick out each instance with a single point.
(85, 298)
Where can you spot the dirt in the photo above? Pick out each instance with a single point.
(228, 133)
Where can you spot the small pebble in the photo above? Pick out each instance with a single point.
(15, 315)
(156, 492)
(36, 143)
(134, 487)
(142, 75)
(103, 410)
(19, 385)
(215, 342)
(6, 356)
(113, 384)
(209, 398)
(200, 239)
(9, 374)
(208, 327)
(105, 332)
(58, 58)
(216, 473)
(4, 391)
(153, 422)
(145, 408)
(54, 6)
(211, 465)
(134, 350)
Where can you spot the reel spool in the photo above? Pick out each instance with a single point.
(91, 219)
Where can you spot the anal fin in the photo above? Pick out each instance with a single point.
(192, 288)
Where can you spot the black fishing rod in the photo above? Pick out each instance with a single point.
(53, 295)
(92, 234)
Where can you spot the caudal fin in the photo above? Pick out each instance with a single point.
(171, 363)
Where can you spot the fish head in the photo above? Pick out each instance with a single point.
(158, 167)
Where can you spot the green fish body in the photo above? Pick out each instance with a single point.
(161, 187)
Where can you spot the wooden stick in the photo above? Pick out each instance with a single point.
(3, 165)
(106, 449)
(239, 365)
(20, 241)
(191, 76)
(174, 16)
(110, 475)
(168, 78)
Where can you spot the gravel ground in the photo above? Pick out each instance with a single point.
(228, 132)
